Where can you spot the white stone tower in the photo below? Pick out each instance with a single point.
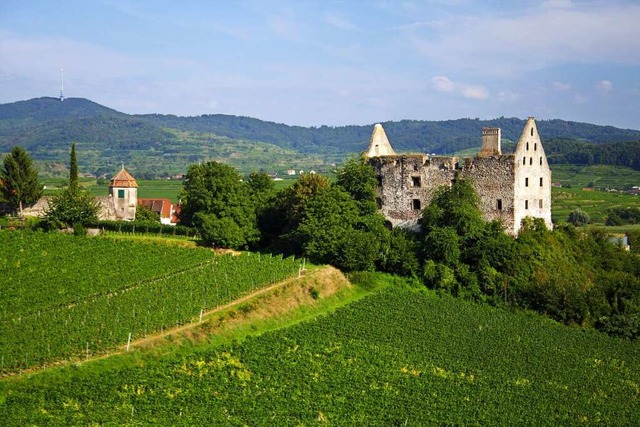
(123, 194)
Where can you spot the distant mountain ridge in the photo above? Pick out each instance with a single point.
(46, 127)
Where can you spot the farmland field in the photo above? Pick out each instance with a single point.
(63, 295)
(396, 357)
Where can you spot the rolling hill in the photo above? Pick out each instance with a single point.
(155, 145)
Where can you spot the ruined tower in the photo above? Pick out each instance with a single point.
(510, 187)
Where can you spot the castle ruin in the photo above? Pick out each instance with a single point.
(510, 186)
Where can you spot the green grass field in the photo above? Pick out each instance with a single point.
(601, 176)
(396, 357)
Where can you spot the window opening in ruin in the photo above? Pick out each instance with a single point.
(415, 181)
(379, 202)
(540, 203)
(540, 181)
(416, 204)
(415, 168)
(530, 160)
(526, 182)
(379, 178)
(526, 204)
(499, 204)
(120, 194)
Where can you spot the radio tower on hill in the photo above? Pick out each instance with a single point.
(61, 84)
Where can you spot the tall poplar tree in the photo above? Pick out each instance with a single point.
(73, 169)
(19, 182)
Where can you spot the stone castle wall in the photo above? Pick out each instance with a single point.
(510, 187)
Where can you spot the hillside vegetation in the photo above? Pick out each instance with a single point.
(52, 308)
(396, 357)
(156, 145)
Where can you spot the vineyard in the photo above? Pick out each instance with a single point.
(66, 296)
(396, 357)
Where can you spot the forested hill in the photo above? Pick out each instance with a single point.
(46, 127)
(442, 137)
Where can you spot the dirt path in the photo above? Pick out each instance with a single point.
(325, 275)
(176, 330)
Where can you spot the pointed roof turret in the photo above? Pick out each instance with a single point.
(379, 144)
(123, 180)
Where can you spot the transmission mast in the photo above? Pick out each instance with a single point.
(61, 84)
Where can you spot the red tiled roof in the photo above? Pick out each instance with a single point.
(123, 179)
(159, 206)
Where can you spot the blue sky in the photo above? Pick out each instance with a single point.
(331, 62)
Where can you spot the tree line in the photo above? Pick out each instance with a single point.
(574, 275)
(570, 151)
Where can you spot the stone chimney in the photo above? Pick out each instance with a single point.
(490, 142)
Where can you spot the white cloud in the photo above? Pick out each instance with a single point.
(474, 92)
(444, 84)
(534, 38)
(604, 86)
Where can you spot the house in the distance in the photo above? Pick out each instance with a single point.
(163, 208)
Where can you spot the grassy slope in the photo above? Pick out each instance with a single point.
(397, 357)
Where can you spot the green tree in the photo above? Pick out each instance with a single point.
(73, 168)
(19, 182)
(578, 217)
(334, 232)
(218, 203)
(145, 214)
(71, 207)
(74, 206)
(455, 207)
(358, 178)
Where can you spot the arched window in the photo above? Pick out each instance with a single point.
(524, 160)
(526, 182)
(540, 160)
(530, 160)
(535, 147)
(531, 131)
(526, 204)
(540, 181)
(527, 145)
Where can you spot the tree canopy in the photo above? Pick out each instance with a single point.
(19, 182)
(218, 203)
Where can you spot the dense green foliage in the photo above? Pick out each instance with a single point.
(73, 206)
(163, 145)
(336, 224)
(578, 217)
(19, 182)
(53, 309)
(620, 215)
(577, 277)
(218, 203)
(398, 357)
(563, 151)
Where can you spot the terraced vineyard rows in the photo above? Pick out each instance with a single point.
(398, 357)
(107, 315)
